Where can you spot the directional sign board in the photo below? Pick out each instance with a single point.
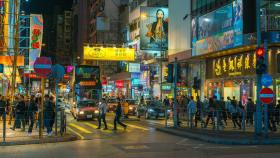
(266, 95)
(266, 80)
(43, 66)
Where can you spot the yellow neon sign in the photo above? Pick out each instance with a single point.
(111, 54)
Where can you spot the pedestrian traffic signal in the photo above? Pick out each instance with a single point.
(261, 67)
(170, 73)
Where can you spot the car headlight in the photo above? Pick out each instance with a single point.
(96, 112)
(130, 108)
(151, 110)
(81, 112)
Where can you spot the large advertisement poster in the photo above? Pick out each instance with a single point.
(36, 37)
(218, 30)
(154, 28)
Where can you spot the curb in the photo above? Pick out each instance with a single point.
(42, 141)
(217, 139)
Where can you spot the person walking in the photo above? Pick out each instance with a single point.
(199, 113)
(118, 116)
(191, 111)
(102, 114)
(234, 113)
(211, 112)
(250, 109)
(2, 107)
(48, 114)
(277, 113)
(32, 109)
(20, 109)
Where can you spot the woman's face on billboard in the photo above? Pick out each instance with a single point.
(160, 14)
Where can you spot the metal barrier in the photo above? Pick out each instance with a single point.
(19, 127)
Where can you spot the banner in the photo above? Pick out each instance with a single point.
(4, 24)
(36, 36)
(111, 54)
(154, 28)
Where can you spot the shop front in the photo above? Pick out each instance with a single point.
(231, 76)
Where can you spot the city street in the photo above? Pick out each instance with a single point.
(140, 140)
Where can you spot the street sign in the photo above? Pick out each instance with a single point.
(42, 66)
(266, 95)
(58, 72)
(267, 80)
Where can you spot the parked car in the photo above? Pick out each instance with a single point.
(86, 109)
(132, 106)
(112, 104)
(152, 109)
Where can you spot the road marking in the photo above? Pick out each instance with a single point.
(80, 128)
(112, 126)
(77, 133)
(138, 127)
(135, 147)
(95, 126)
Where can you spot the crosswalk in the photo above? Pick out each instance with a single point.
(86, 129)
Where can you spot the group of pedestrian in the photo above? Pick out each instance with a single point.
(102, 114)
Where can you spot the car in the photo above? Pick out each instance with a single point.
(132, 106)
(85, 109)
(152, 109)
(112, 104)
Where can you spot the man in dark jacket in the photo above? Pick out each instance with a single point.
(32, 109)
(118, 116)
(2, 106)
(48, 114)
(250, 112)
(20, 110)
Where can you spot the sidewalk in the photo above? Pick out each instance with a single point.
(18, 137)
(222, 137)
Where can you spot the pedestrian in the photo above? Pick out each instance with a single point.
(48, 114)
(211, 112)
(234, 113)
(271, 120)
(102, 114)
(199, 116)
(228, 106)
(224, 110)
(52, 100)
(118, 115)
(250, 109)
(2, 107)
(20, 110)
(32, 109)
(277, 113)
(191, 111)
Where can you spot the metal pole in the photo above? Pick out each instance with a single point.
(4, 127)
(175, 95)
(42, 108)
(16, 46)
(258, 120)
(56, 106)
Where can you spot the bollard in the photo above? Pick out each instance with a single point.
(4, 127)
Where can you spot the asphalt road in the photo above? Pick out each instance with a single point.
(140, 140)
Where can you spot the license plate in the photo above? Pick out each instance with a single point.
(89, 116)
(161, 114)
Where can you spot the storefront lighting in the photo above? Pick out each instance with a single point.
(206, 19)
(277, 4)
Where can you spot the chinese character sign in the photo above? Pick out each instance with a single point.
(243, 64)
(36, 36)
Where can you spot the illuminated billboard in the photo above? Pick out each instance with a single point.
(4, 24)
(218, 30)
(36, 36)
(89, 76)
(110, 54)
(154, 28)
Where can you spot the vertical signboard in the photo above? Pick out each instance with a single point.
(3, 26)
(36, 36)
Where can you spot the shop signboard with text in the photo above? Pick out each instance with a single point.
(87, 75)
(134, 67)
(230, 66)
(109, 54)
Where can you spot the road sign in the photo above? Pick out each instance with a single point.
(266, 95)
(58, 72)
(43, 65)
(267, 80)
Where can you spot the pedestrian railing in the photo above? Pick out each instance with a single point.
(26, 126)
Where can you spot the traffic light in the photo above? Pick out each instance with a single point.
(196, 83)
(170, 73)
(261, 66)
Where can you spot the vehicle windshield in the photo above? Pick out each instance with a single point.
(83, 104)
